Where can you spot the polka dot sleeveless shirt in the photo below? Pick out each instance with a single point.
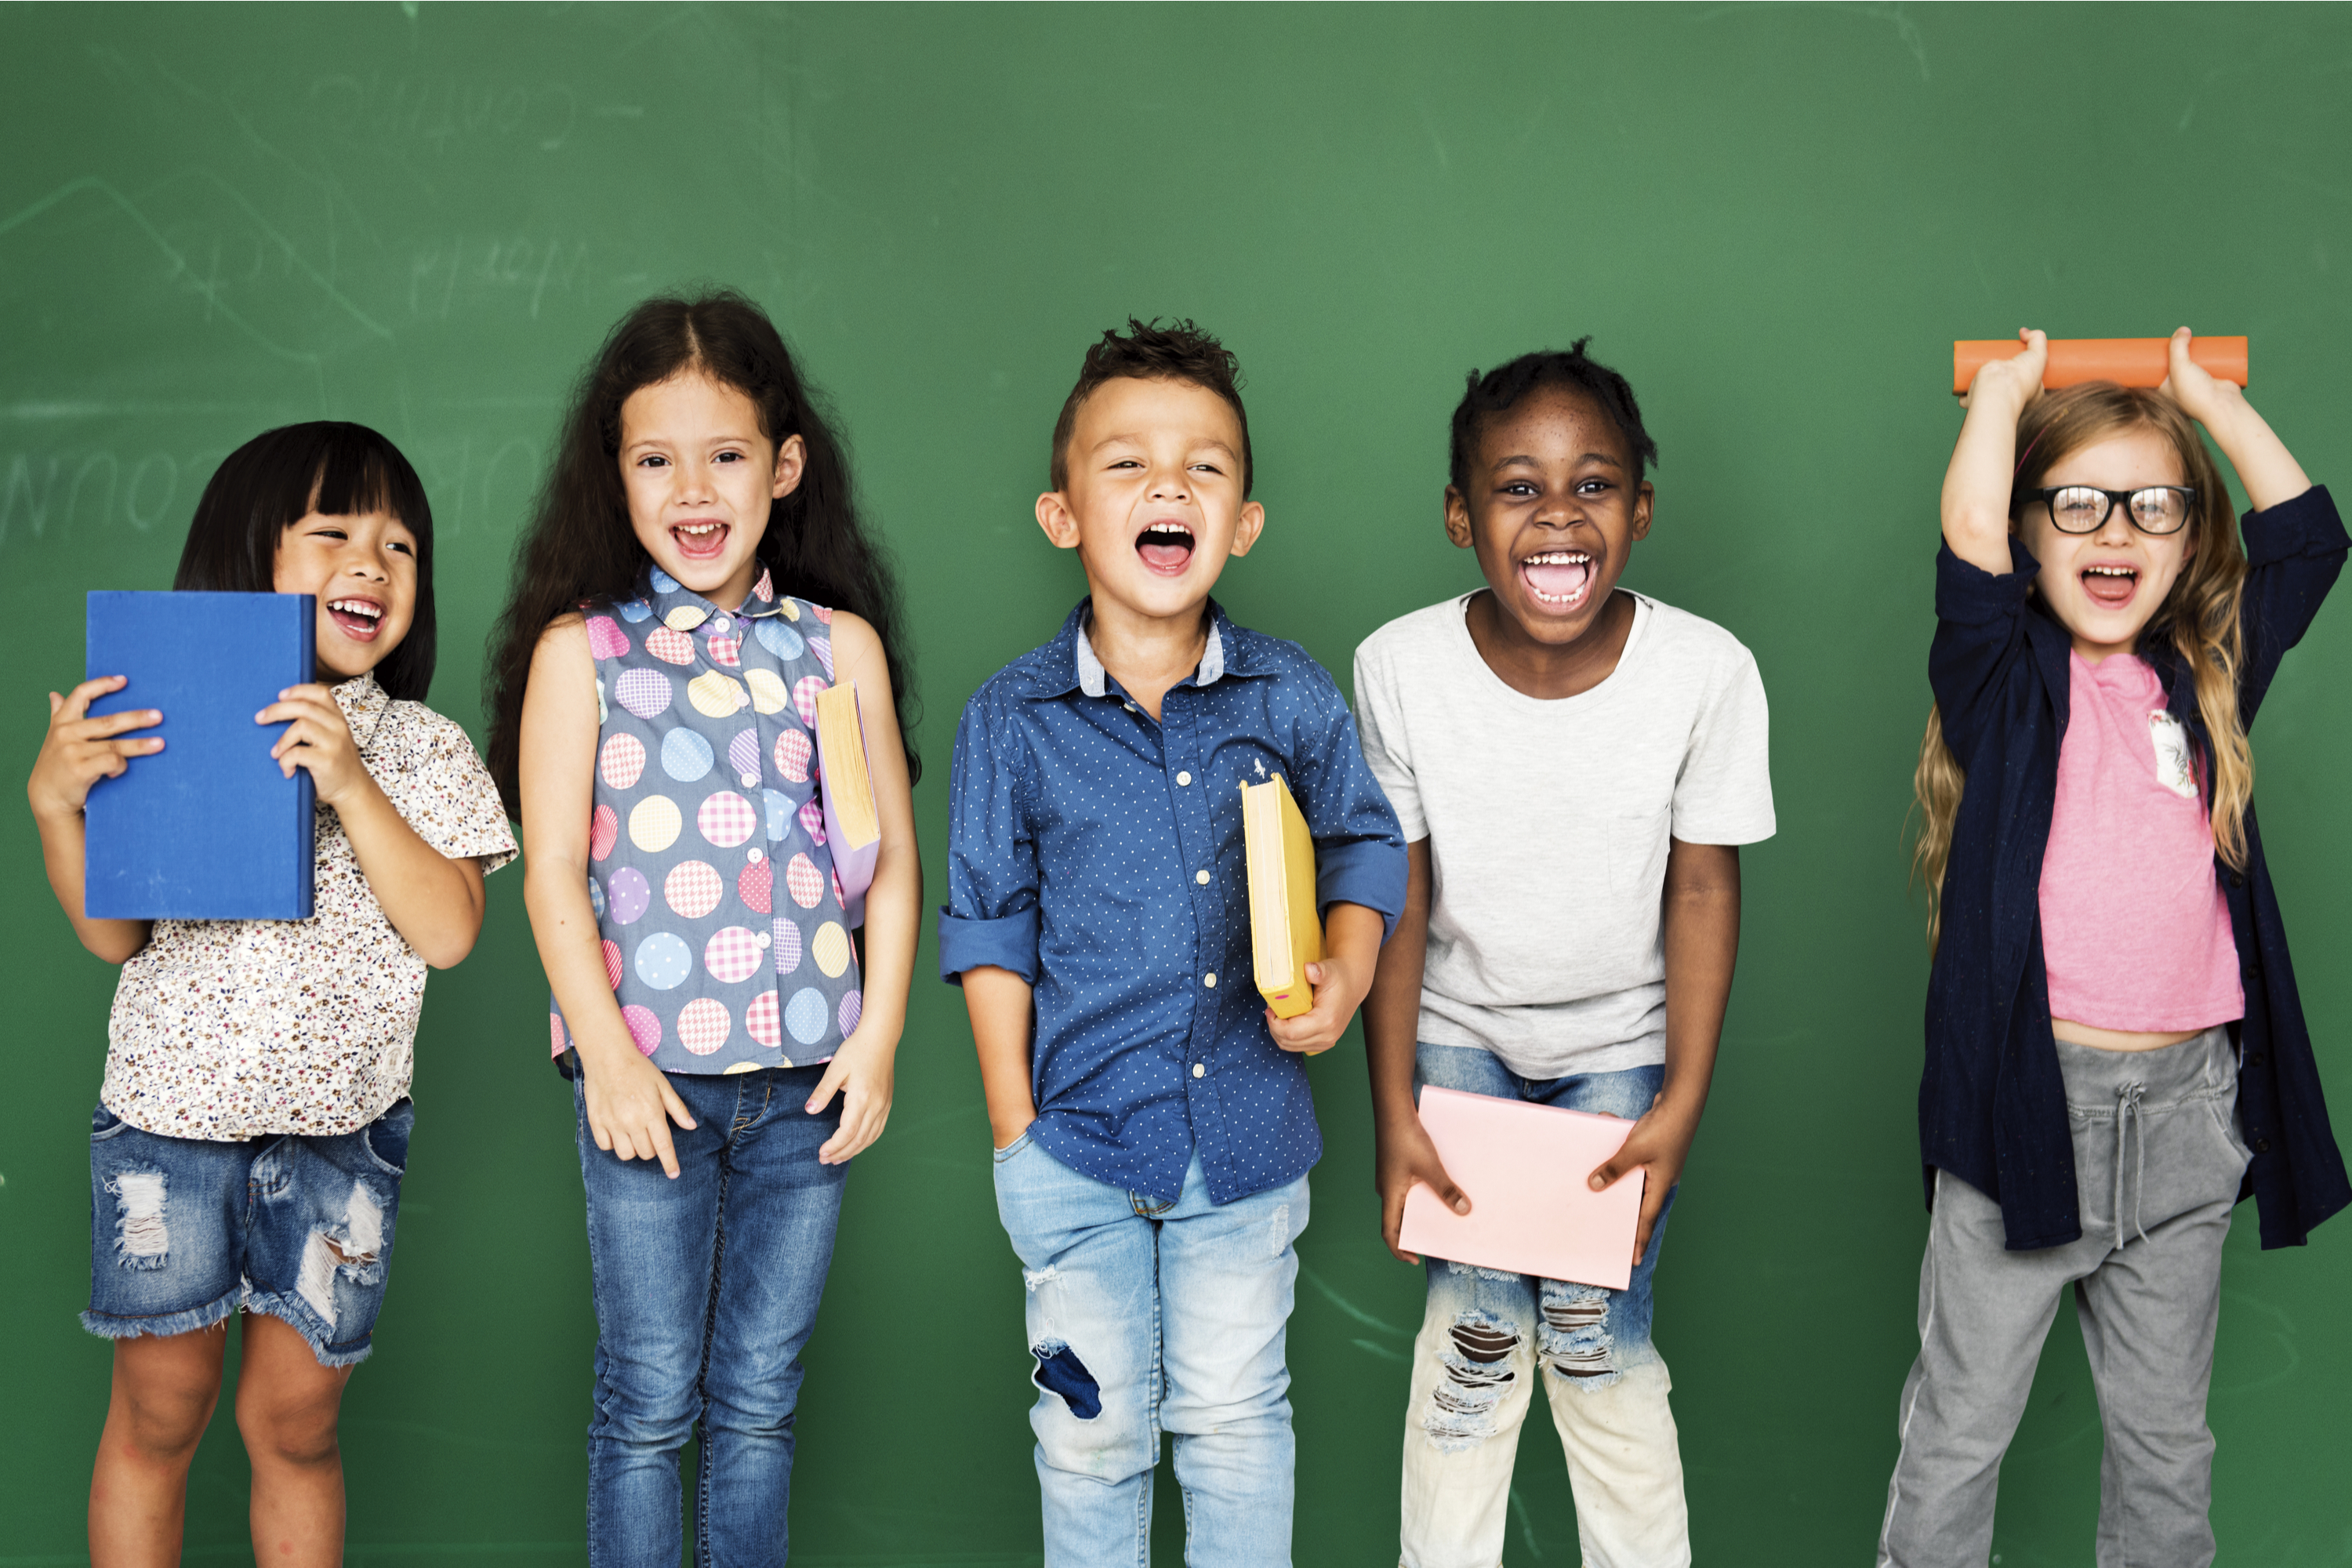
(724, 932)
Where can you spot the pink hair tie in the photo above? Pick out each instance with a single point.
(2022, 456)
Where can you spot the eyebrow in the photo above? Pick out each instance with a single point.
(1523, 459)
(1137, 440)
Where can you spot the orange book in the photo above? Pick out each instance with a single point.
(2126, 361)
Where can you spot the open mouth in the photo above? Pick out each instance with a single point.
(1559, 579)
(357, 620)
(701, 539)
(2110, 585)
(1166, 548)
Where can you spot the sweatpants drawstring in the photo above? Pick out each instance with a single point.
(2127, 1108)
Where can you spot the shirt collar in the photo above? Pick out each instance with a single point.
(1072, 665)
(679, 607)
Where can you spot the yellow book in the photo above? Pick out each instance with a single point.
(1285, 936)
(853, 823)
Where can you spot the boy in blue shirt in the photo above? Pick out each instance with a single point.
(1152, 1122)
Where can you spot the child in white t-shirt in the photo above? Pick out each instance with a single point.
(1575, 767)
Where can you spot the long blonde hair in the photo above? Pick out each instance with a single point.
(2200, 615)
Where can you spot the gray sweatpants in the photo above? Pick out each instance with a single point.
(2157, 1161)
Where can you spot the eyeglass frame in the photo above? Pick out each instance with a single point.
(2048, 493)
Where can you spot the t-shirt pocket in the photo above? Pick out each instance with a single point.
(1637, 851)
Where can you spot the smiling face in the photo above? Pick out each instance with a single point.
(2104, 586)
(1153, 503)
(1553, 509)
(363, 571)
(700, 474)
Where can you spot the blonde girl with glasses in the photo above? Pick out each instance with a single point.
(2114, 1050)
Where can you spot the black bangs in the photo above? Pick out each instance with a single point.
(281, 476)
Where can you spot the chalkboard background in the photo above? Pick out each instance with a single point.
(217, 219)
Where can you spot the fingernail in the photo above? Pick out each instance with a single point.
(1462, 1205)
(1596, 1184)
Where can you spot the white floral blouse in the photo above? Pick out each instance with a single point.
(233, 1029)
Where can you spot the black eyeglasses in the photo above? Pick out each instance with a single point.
(2084, 509)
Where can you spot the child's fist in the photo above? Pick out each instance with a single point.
(2200, 395)
(2014, 382)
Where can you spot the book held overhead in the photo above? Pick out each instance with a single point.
(207, 828)
(2126, 361)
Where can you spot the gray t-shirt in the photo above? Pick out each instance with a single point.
(1547, 824)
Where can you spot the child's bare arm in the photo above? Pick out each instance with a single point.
(630, 1104)
(77, 753)
(1004, 1012)
(863, 1070)
(2264, 466)
(1401, 1151)
(1984, 460)
(1701, 922)
(434, 902)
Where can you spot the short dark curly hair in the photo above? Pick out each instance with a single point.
(1150, 351)
(1502, 389)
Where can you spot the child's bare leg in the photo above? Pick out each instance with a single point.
(164, 1391)
(286, 1409)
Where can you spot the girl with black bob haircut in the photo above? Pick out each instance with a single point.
(580, 548)
(272, 1055)
(273, 481)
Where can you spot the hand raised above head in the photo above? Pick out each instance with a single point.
(2203, 397)
(2013, 382)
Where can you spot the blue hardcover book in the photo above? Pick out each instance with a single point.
(207, 828)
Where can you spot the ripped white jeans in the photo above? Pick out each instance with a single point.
(1487, 1338)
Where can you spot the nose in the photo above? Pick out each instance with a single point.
(695, 483)
(1169, 484)
(2117, 531)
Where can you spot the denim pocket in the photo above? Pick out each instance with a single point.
(1018, 1144)
(387, 1136)
(104, 1123)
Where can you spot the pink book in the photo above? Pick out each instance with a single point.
(1524, 1168)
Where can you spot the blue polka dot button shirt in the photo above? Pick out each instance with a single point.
(1098, 856)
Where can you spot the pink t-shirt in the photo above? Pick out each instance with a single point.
(2134, 932)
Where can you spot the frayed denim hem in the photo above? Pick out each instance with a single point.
(297, 1316)
(107, 1327)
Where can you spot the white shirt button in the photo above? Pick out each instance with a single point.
(750, 779)
(720, 624)
(1202, 877)
(1198, 1070)
(755, 854)
(1209, 980)
(1183, 779)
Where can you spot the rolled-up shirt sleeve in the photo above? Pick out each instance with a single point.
(991, 915)
(1359, 848)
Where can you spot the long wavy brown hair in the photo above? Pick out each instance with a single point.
(2199, 615)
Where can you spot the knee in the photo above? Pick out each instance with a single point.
(165, 1418)
(1575, 1342)
(1476, 1374)
(296, 1433)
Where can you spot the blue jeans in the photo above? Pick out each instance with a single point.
(1145, 1318)
(187, 1230)
(1487, 1336)
(706, 1288)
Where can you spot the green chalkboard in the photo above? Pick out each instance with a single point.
(213, 219)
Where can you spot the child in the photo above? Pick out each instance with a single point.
(1152, 1150)
(273, 1056)
(1576, 766)
(2112, 1022)
(696, 575)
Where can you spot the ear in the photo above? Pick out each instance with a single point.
(1457, 518)
(1248, 527)
(791, 461)
(1061, 524)
(1643, 504)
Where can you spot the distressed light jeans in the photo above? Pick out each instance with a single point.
(1146, 1317)
(1486, 1338)
(2158, 1162)
(706, 1288)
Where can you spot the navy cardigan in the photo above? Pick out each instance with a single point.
(1992, 1109)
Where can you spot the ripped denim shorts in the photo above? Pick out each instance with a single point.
(183, 1231)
